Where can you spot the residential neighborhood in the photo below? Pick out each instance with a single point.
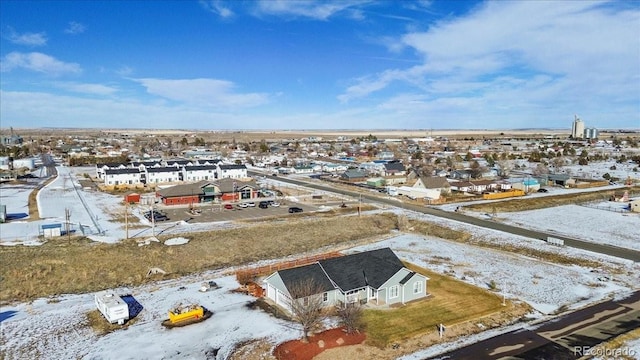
(199, 207)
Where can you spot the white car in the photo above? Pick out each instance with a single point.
(243, 205)
(251, 204)
(275, 204)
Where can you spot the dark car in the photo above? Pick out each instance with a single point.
(295, 209)
(263, 204)
(543, 190)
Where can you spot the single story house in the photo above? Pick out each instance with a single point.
(376, 277)
(354, 175)
(394, 168)
(437, 183)
(527, 185)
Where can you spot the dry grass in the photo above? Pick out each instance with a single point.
(451, 301)
(618, 344)
(81, 266)
(431, 229)
(542, 202)
(101, 326)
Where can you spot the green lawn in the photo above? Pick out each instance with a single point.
(451, 301)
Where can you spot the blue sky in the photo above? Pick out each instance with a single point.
(319, 64)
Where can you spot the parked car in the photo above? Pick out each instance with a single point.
(251, 204)
(243, 205)
(543, 190)
(294, 209)
(155, 216)
(228, 206)
(275, 204)
(263, 205)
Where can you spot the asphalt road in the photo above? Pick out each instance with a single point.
(457, 216)
(566, 337)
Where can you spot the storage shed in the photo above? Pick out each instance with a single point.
(133, 198)
(51, 230)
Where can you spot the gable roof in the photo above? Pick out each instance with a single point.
(232, 167)
(434, 182)
(121, 171)
(371, 268)
(184, 189)
(299, 275)
(351, 272)
(394, 166)
(226, 185)
(162, 169)
(200, 167)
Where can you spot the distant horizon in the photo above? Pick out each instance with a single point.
(3, 129)
(325, 64)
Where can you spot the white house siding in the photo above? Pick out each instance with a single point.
(419, 193)
(232, 173)
(122, 179)
(198, 175)
(162, 177)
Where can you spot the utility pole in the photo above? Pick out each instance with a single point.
(126, 220)
(67, 216)
(153, 221)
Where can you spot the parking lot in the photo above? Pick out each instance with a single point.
(217, 212)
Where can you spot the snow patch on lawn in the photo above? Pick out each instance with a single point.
(176, 241)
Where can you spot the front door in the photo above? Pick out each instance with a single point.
(373, 293)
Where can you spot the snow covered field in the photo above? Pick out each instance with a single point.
(60, 328)
(57, 329)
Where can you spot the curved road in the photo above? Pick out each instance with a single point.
(539, 235)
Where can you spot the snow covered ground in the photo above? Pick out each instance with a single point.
(57, 329)
(60, 328)
(91, 212)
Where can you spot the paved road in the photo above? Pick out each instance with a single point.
(539, 235)
(563, 338)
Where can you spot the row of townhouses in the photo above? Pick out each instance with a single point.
(167, 171)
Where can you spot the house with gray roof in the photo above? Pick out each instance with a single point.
(375, 277)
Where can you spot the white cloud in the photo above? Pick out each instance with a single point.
(529, 55)
(38, 62)
(206, 92)
(217, 7)
(310, 9)
(93, 89)
(29, 39)
(74, 28)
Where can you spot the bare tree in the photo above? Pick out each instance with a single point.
(307, 305)
(350, 315)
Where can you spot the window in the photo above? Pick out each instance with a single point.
(352, 296)
(325, 297)
(393, 291)
(417, 287)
